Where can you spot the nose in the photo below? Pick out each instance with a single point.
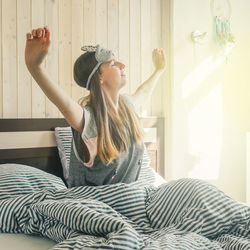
(122, 66)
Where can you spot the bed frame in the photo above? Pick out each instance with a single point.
(32, 142)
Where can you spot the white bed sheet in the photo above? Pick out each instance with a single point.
(24, 242)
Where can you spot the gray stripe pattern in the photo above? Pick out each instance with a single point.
(182, 214)
(17, 179)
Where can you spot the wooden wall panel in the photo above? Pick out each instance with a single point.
(65, 47)
(167, 88)
(135, 45)
(77, 42)
(113, 26)
(38, 97)
(23, 77)
(156, 100)
(89, 25)
(1, 75)
(131, 28)
(9, 58)
(52, 62)
(124, 37)
(102, 22)
(89, 20)
(146, 48)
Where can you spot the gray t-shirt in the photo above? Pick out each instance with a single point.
(124, 169)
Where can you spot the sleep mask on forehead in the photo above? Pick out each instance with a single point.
(102, 55)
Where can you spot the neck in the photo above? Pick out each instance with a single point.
(113, 99)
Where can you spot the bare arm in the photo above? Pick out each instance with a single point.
(37, 45)
(144, 92)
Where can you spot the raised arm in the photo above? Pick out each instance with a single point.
(144, 91)
(37, 46)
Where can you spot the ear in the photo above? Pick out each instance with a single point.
(101, 80)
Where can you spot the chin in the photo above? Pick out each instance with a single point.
(124, 82)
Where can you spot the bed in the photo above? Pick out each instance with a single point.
(32, 142)
(38, 211)
(36, 145)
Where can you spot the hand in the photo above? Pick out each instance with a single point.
(159, 61)
(37, 46)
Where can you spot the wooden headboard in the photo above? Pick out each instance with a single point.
(32, 142)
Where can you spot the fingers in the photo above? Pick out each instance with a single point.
(33, 32)
(47, 32)
(39, 33)
(28, 36)
(158, 54)
(158, 50)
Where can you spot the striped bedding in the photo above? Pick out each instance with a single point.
(181, 214)
(16, 179)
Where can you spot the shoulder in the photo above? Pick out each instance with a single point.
(129, 100)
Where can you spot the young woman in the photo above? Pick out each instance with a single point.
(108, 148)
(107, 137)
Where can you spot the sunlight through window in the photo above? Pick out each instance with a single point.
(196, 77)
(205, 135)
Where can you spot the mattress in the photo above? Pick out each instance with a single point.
(24, 242)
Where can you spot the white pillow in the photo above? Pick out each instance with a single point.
(64, 141)
(17, 179)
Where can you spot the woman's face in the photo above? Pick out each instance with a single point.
(112, 76)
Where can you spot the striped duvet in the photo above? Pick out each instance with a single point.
(182, 214)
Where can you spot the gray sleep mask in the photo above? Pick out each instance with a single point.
(102, 55)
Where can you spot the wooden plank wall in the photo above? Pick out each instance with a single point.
(131, 28)
(1, 74)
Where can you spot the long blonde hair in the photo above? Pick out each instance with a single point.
(115, 132)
